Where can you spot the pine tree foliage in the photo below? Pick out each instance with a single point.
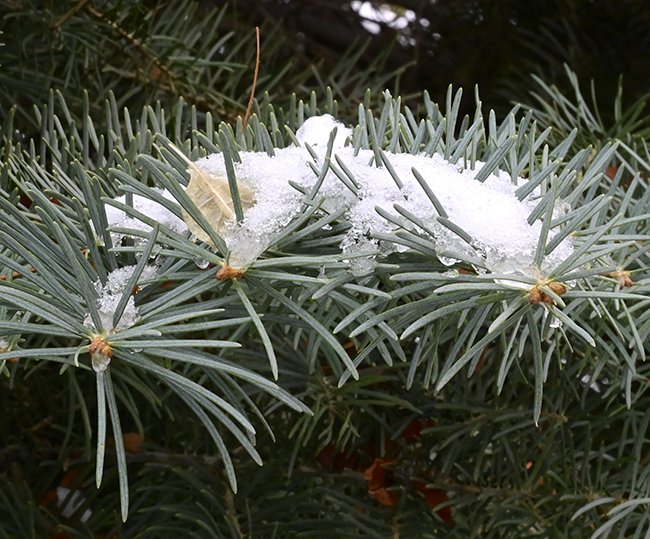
(543, 427)
(143, 52)
(553, 107)
(294, 397)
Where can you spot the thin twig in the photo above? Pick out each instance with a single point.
(257, 69)
(140, 46)
(59, 23)
(232, 512)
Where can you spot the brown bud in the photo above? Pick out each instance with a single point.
(625, 281)
(228, 272)
(623, 277)
(535, 295)
(558, 288)
(99, 345)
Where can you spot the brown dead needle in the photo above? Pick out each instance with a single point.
(249, 107)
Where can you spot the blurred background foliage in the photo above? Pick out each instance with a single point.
(495, 44)
(205, 51)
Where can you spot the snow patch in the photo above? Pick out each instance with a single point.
(316, 131)
(150, 208)
(488, 211)
(109, 295)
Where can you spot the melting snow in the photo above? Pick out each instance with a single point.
(109, 296)
(489, 212)
(317, 129)
(150, 208)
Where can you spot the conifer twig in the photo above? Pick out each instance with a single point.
(68, 14)
(257, 69)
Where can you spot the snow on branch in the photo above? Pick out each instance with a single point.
(489, 212)
(109, 295)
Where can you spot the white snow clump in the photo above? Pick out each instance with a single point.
(488, 211)
(317, 129)
(109, 296)
(150, 208)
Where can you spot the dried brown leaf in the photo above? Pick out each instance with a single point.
(210, 193)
